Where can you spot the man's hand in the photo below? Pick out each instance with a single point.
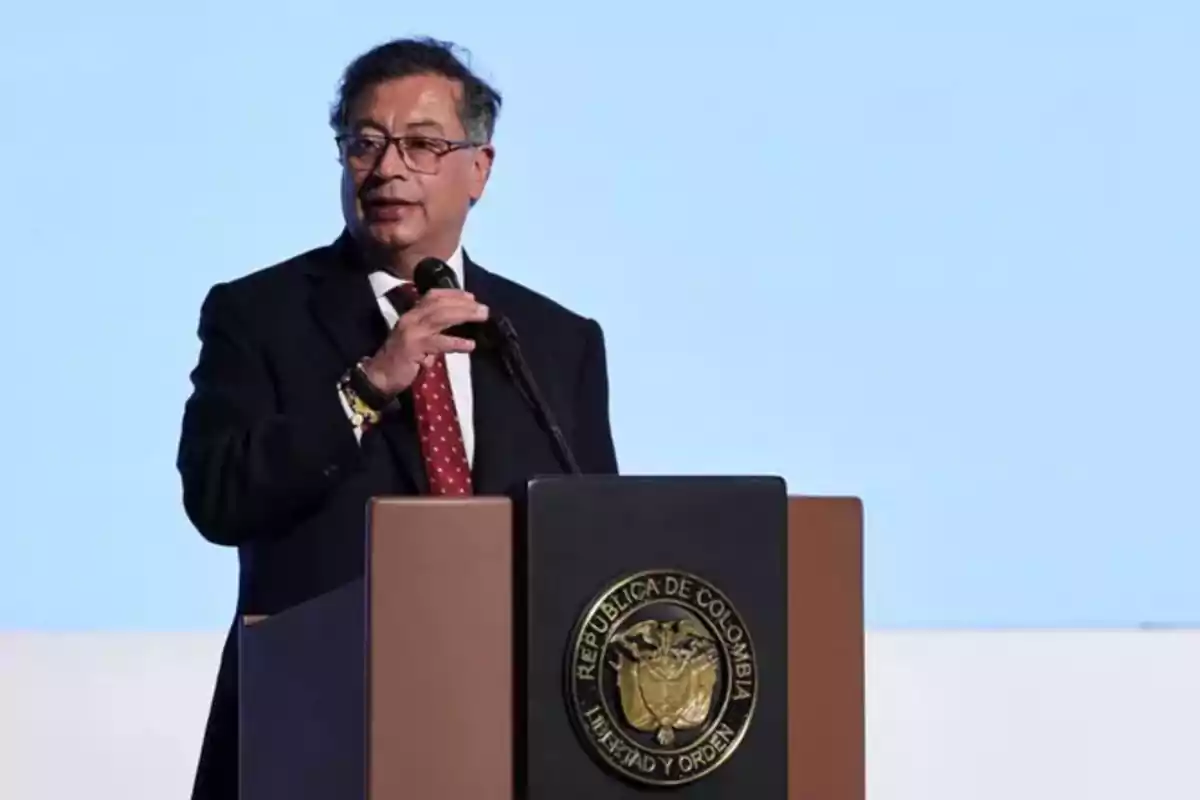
(417, 338)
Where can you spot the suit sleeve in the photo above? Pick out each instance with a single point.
(248, 470)
(594, 448)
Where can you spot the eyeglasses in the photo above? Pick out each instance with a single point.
(365, 151)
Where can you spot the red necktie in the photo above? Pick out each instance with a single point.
(441, 436)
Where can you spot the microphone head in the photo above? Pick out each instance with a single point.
(433, 273)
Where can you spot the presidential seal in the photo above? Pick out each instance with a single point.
(662, 678)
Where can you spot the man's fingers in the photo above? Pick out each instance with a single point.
(438, 344)
(421, 330)
(442, 298)
(440, 317)
(451, 344)
(450, 294)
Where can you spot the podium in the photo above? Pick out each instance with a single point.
(592, 637)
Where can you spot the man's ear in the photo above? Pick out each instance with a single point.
(481, 170)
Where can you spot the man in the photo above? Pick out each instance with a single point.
(324, 380)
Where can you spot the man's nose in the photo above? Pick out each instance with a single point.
(391, 162)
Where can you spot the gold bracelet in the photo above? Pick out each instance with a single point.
(361, 414)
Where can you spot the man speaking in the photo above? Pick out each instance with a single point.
(334, 377)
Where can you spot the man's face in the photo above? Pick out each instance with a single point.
(388, 203)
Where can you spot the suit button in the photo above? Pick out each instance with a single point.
(330, 471)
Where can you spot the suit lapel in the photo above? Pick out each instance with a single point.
(346, 309)
(497, 403)
(494, 448)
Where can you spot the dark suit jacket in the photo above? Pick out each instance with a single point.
(269, 462)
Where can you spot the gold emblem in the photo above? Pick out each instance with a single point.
(663, 678)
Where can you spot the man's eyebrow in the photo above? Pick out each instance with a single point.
(367, 124)
(424, 123)
(428, 125)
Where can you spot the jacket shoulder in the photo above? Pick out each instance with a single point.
(519, 298)
(277, 277)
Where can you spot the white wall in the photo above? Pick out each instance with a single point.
(951, 715)
(102, 715)
(1034, 715)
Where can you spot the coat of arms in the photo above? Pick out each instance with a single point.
(663, 678)
(666, 672)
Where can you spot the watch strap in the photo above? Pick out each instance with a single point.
(368, 392)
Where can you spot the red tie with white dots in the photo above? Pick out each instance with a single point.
(438, 426)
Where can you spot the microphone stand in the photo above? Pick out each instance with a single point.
(518, 369)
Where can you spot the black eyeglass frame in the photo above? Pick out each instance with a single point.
(444, 147)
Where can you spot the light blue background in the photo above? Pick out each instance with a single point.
(939, 255)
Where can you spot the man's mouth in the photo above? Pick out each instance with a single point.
(386, 207)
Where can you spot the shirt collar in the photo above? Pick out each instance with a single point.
(383, 282)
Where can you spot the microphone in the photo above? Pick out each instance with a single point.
(499, 333)
(433, 273)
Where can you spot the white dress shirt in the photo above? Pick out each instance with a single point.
(457, 364)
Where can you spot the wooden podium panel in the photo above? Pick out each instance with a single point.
(826, 723)
(405, 684)
(440, 594)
